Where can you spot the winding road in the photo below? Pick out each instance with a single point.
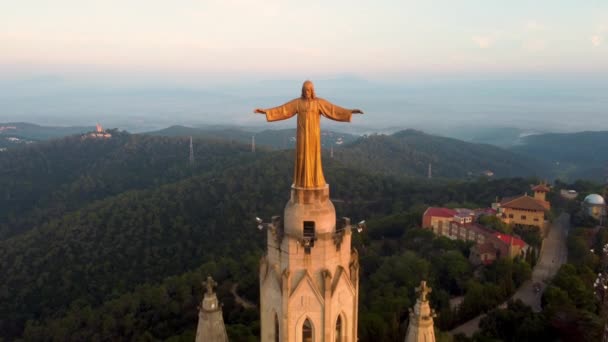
(553, 254)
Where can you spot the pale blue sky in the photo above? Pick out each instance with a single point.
(371, 39)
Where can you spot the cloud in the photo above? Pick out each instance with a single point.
(484, 42)
(596, 40)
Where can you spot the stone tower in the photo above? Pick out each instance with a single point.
(309, 277)
(421, 327)
(210, 321)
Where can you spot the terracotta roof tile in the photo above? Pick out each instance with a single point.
(507, 239)
(523, 202)
(541, 187)
(439, 212)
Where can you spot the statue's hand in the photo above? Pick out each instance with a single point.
(356, 111)
(259, 111)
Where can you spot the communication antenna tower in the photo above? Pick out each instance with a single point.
(253, 143)
(191, 152)
(430, 173)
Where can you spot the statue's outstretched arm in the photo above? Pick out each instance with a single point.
(281, 112)
(335, 112)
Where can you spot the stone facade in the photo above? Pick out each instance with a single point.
(421, 327)
(309, 277)
(210, 321)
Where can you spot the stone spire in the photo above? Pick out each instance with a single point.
(210, 322)
(421, 327)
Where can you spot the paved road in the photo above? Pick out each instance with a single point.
(553, 255)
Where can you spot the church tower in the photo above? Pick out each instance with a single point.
(421, 327)
(210, 321)
(309, 277)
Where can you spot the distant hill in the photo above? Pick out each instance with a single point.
(43, 180)
(410, 152)
(34, 132)
(572, 155)
(493, 135)
(277, 139)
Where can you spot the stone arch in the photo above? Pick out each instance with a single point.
(305, 329)
(340, 328)
(277, 330)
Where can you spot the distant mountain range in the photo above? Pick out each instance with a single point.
(278, 139)
(411, 152)
(567, 156)
(15, 133)
(572, 155)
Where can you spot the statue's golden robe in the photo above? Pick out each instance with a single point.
(308, 172)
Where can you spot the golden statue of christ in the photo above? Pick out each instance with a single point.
(308, 172)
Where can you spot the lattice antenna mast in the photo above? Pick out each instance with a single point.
(331, 151)
(430, 173)
(253, 143)
(191, 152)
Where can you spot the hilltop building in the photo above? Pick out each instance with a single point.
(6, 128)
(99, 133)
(439, 219)
(525, 210)
(595, 206)
(459, 224)
(487, 173)
(210, 321)
(421, 328)
(568, 194)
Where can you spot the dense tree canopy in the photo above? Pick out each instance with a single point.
(108, 238)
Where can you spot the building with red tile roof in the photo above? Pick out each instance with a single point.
(483, 253)
(437, 218)
(525, 210)
(459, 224)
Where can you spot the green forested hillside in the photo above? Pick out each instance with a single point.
(45, 180)
(409, 152)
(116, 235)
(106, 248)
(574, 155)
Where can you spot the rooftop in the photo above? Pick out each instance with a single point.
(594, 199)
(440, 212)
(541, 187)
(508, 239)
(522, 202)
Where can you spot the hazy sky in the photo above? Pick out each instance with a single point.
(139, 64)
(374, 39)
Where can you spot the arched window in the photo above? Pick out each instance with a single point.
(307, 331)
(338, 332)
(276, 329)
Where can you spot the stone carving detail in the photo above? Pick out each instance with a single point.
(276, 228)
(354, 266)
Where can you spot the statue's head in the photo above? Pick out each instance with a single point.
(308, 90)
